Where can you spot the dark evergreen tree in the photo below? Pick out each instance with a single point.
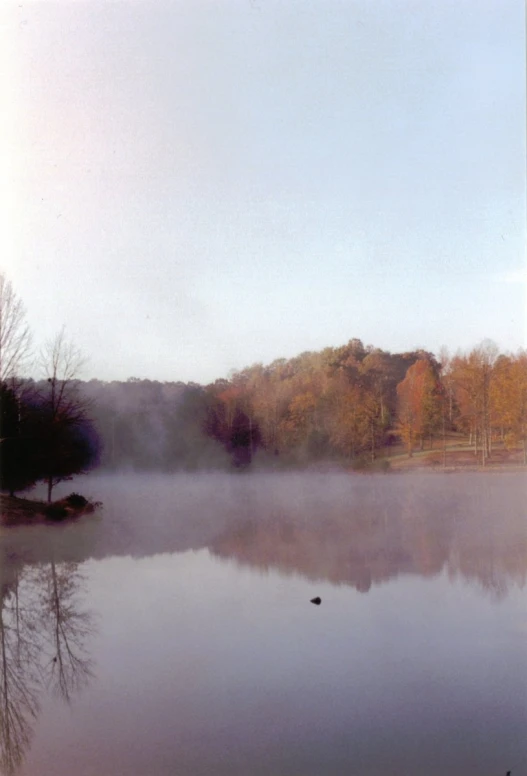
(18, 464)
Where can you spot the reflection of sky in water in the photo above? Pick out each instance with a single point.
(207, 663)
(200, 663)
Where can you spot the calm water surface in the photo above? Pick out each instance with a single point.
(174, 634)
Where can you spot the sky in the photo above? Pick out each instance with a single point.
(192, 186)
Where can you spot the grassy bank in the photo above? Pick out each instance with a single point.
(22, 511)
(456, 458)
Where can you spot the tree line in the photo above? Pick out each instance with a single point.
(350, 404)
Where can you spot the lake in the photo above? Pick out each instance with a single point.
(173, 633)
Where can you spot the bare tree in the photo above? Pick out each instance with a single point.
(61, 363)
(15, 339)
(66, 411)
(473, 375)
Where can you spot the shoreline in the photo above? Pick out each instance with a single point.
(489, 469)
(16, 511)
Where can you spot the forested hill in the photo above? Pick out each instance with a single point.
(339, 404)
(289, 411)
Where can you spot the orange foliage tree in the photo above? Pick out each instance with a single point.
(418, 403)
(509, 400)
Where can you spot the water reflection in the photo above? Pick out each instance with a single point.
(20, 675)
(44, 636)
(66, 628)
(356, 531)
(368, 544)
(230, 662)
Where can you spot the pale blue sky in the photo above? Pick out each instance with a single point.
(196, 186)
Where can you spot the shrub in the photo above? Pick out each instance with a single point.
(76, 500)
(56, 512)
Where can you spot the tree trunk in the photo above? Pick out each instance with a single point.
(50, 488)
(113, 441)
(444, 442)
(5, 676)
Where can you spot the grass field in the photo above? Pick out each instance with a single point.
(457, 455)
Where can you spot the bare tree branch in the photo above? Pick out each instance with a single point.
(66, 408)
(15, 339)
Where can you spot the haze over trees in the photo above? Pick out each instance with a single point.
(354, 405)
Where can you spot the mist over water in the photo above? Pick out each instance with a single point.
(191, 594)
(322, 525)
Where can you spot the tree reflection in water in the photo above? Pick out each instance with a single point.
(20, 670)
(66, 628)
(44, 633)
(365, 545)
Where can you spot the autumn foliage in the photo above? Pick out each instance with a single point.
(348, 403)
(419, 403)
(353, 404)
(340, 403)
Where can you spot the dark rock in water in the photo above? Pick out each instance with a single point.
(316, 601)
